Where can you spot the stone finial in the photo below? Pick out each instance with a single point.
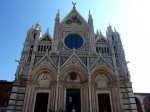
(58, 14)
(100, 31)
(32, 27)
(57, 17)
(109, 28)
(114, 29)
(97, 32)
(38, 23)
(47, 30)
(90, 16)
(37, 26)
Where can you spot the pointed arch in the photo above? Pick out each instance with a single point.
(146, 102)
(35, 74)
(102, 69)
(138, 104)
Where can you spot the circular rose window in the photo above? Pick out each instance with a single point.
(73, 41)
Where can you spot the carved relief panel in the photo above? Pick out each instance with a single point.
(44, 79)
(101, 81)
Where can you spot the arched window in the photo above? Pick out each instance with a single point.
(45, 48)
(31, 49)
(102, 50)
(112, 38)
(34, 36)
(30, 53)
(114, 48)
(107, 50)
(39, 48)
(97, 49)
(50, 47)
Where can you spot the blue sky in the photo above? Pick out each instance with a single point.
(129, 17)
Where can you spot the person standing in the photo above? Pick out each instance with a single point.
(73, 110)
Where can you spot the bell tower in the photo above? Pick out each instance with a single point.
(29, 50)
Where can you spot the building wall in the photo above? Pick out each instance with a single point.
(144, 101)
(5, 90)
(49, 65)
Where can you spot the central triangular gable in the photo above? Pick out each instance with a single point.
(74, 18)
(45, 60)
(101, 61)
(74, 60)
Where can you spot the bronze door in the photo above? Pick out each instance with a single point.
(104, 103)
(41, 102)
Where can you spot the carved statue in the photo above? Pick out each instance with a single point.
(73, 4)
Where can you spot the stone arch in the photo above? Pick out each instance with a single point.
(146, 102)
(101, 80)
(138, 104)
(43, 71)
(80, 73)
(108, 73)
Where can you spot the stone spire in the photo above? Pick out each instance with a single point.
(57, 19)
(90, 22)
(109, 29)
(91, 34)
(90, 16)
(38, 26)
(56, 32)
(97, 33)
(47, 31)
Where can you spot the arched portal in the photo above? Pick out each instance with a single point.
(74, 87)
(147, 103)
(138, 104)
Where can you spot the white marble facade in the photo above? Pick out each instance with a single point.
(90, 63)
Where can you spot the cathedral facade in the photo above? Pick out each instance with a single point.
(76, 69)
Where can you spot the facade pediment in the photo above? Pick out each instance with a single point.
(46, 37)
(100, 61)
(101, 38)
(74, 19)
(75, 61)
(45, 60)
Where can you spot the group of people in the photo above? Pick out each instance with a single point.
(73, 110)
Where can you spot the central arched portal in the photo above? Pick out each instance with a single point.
(73, 100)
